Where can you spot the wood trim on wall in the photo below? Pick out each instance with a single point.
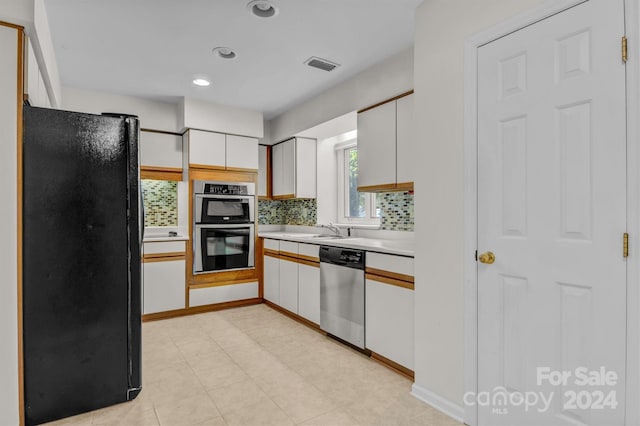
(164, 257)
(283, 197)
(389, 274)
(19, 113)
(386, 101)
(408, 373)
(161, 173)
(207, 167)
(200, 309)
(390, 281)
(387, 187)
(19, 28)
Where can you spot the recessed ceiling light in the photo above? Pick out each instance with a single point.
(224, 52)
(262, 8)
(201, 82)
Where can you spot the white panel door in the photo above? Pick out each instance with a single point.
(377, 146)
(207, 148)
(164, 286)
(242, 152)
(552, 207)
(271, 279)
(160, 150)
(309, 292)
(405, 139)
(289, 285)
(306, 175)
(288, 168)
(263, 171)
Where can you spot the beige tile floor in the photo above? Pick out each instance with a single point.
(254, 366)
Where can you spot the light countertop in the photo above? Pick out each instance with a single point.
(153, 238)
(397, 247)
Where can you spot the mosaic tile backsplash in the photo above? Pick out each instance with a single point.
(396, 212)
(160, 202)
(288, 212)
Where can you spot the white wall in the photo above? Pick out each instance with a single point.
(441, 28)
(379, 82)
(196, 114)
(8, 228)
(154, 115)
(40, 37)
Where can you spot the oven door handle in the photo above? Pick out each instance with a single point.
(229, 226)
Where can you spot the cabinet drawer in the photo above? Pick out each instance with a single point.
(288, 247)
(309, 252)
(160, 247)
(272, 244)
(390, 263)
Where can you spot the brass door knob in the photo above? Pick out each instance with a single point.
(487, 257)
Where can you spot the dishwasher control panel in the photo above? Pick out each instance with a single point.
(342, 256)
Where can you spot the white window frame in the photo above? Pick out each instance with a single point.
(342, 170)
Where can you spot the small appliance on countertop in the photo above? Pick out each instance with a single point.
(223, 226)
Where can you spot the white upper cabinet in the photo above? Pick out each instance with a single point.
(404, 139)
(377, 146)
(263, 171)
(160, 150)
(220, 151)
(385, 138)
(207, 149)
(242, 153)
(294, 168)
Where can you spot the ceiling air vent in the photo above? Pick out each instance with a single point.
(321, 64)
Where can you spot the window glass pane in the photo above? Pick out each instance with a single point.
(377, 202)
(356, 206)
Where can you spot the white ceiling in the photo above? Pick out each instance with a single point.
(155, 48)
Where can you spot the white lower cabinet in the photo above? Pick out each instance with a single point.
(389, 321)
(289, 285)
(222, 294)
(271, 281)
(309, 292)
(163, 286)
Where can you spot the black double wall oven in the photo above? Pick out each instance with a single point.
(224, 228)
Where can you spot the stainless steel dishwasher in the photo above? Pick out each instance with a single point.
(342, 294)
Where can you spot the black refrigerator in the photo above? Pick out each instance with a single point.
(81, 262)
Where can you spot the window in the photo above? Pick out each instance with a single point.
(354, 206)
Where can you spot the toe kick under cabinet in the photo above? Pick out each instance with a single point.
(163, 277)
(389, 308)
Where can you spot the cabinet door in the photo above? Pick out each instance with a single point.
(163, 286)
(242, 153)
(377, 146)
(160, 150)
(389, 321)
(263, 171)
(207, 149)
(305, 168)
(271, 279)
(277, 169)
(309, 292)
(404, 139)
(289, 285)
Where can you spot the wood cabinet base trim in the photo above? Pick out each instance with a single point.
(161, 173)
(200, 309)
(386, 101)
(164, 257)
(222, 283)
(295, 317)
(394, 366)
(271, 252)
(390, 281)
(389, 274)
(388, 187)
(284, 197)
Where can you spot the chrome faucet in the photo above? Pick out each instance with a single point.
(332, 228)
